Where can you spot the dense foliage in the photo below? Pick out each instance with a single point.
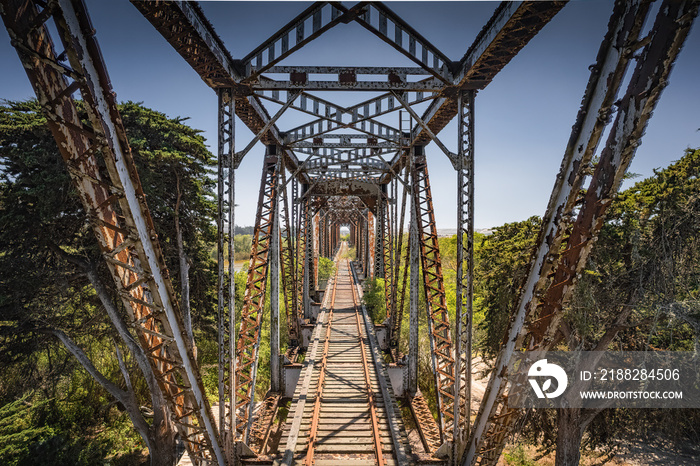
(640, 291)
(49, 267)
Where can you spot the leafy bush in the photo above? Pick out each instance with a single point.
(326, 268)
(374, 299)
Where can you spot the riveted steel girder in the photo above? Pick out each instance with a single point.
(225, 281)
(436, 303)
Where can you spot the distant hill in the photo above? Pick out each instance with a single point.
(453, 231)
(239, 230)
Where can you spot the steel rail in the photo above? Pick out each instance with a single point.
(309, 460)
(368, 383)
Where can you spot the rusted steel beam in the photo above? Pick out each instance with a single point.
(425, 85)
(367, 144)
(128, 241)
(248, 338)
(510, 28)
(391, 29)
(316, 225)
(274, 278)
(307, 244)
(539, 313)
(379, 239)
(434, 288)
(260, 433)
(413, 261)
(226, 316)
(427, 427)
(387, 258)
(370, 70)
(361, 118)
(114, 202)
(269, 124)
(289, 269)
(601, 92)
(185, 27)
(649, 79)
(264, 56)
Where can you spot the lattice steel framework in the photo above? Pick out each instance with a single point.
(226, 284)
(288, 270)
(397, 315)
(248, 338)
(438, 320)
(465, 270)
(387, 245)
(379, 238)
(308, 268)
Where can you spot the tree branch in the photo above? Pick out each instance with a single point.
(125, 397)
(122, 367)
(84, 360)
(123, 331)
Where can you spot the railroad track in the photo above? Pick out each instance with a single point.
(342, 412)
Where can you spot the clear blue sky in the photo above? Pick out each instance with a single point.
(523, 118)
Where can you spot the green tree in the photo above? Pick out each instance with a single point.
(54, 286)
(500, 268)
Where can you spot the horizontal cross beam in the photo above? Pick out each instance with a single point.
(369, 70)
(344, 145)
(348, 82)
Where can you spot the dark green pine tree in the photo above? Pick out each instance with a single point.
(54, 286)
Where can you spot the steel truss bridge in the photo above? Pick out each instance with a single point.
(346, 166)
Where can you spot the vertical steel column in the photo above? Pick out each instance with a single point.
(465, 258)
(227, 305)
(248, 338)
(322, 237)
(388, 258)
(308, 256)
(440, 333)
(360, 244)
(316, 248)
(399, 301)
(379, 239)
(275, 384)
(414, 284)
(288, 264)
